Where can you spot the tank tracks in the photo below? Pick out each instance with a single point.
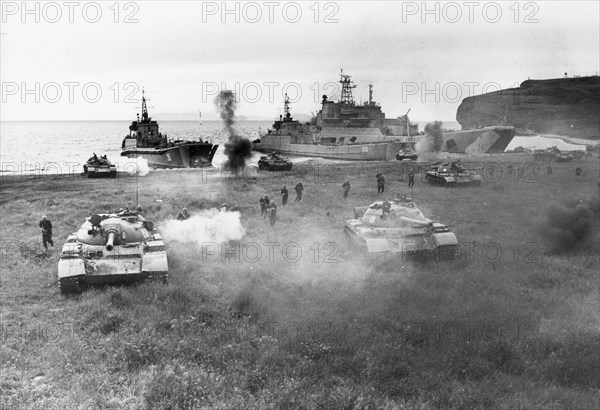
(70, 286)
(158, 278)
(441, 181)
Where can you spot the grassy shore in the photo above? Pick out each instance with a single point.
(506, 325)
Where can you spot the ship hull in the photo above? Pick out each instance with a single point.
(353, 152)
(180, 156)
(487, 140)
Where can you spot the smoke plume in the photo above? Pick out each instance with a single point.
(207, 226)
(237, 148)
(572, 226)
(139, 166)
(432, 142)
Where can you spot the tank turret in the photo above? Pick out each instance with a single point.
(112, 248)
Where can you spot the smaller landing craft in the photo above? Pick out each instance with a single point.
(274, 162)
(99, 167)
(397, 227)
(112, 249)
(451, 174)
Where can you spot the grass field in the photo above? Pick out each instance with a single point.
(291, 319)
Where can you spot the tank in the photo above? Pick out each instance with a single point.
(274, 162)
(99, 167)
(397, 227)
(552, 154)
(406, 153)
(112, 248)
(451, 174)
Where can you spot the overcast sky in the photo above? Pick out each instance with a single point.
(82, 65)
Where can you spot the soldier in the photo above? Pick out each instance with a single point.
(284, 195)
(46, 226)
(272, 211)
(380, 182)
(346, 187)
(224, 207)
(299, 188)
(139, 209)
(411, 178)
(264, 204)
(578, 171)
(549, 170)
(183, 215)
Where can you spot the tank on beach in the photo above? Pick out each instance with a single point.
(99, 167)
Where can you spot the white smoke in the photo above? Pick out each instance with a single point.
(139, 166)
(207, 226)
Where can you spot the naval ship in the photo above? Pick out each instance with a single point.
(346, 130)
(145, 140)
(340, 130)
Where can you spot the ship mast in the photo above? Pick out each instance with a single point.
(144, 108)
(286, 107)
(347, 87)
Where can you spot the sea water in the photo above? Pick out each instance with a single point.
(62, 147)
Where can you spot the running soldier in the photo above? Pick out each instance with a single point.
(346, 187)
(46, 226)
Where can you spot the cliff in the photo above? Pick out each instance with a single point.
(562, 106)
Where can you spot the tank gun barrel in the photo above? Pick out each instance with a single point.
(415, 221)
(110, 239)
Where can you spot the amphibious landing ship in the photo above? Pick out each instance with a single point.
(341, 130)
(145, 140)
(346, 130)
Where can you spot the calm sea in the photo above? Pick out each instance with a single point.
(51, 147)
(64, 146)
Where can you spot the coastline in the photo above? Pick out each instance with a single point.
(570, 140)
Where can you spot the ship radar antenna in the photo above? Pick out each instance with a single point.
(286, 106)
(370, 94)
(347, 87)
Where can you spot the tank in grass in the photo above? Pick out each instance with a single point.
(274, 162)
(398, 227)
(99, 167)
(112, 248)
(452, 174)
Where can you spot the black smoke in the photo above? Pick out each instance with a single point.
(433, 139)
(433, 132)
(237, 149)
(572, 226)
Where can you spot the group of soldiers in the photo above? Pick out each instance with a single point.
(268, 207)
(185, 214)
